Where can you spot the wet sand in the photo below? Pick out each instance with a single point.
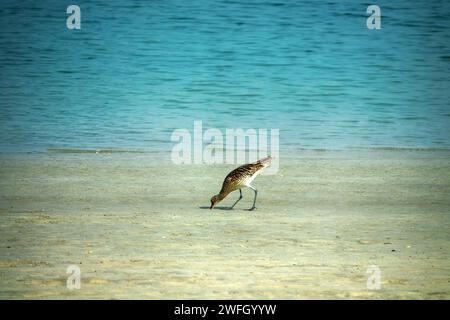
(138, 227)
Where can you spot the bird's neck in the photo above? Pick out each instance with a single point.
(222, 195)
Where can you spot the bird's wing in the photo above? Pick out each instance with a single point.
(235, 177)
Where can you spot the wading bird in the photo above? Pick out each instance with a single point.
(239, 178)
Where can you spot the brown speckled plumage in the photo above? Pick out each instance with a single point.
(239, 178)
(236, 178)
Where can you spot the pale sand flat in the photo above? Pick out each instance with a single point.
(137, 233)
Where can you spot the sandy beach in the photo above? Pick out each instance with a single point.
(139, 228)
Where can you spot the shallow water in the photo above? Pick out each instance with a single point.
(135, 72)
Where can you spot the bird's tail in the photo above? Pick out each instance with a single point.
(265, 160)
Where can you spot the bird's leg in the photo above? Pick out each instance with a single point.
(254, 199)
(240, 197)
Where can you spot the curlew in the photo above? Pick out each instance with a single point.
(239, 178)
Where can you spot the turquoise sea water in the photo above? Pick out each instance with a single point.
(137, 70)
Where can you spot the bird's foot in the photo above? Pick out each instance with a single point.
(252, 208)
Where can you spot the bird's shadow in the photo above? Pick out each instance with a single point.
(223, 208)
(219, 208)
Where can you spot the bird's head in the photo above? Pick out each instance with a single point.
(214, 200)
